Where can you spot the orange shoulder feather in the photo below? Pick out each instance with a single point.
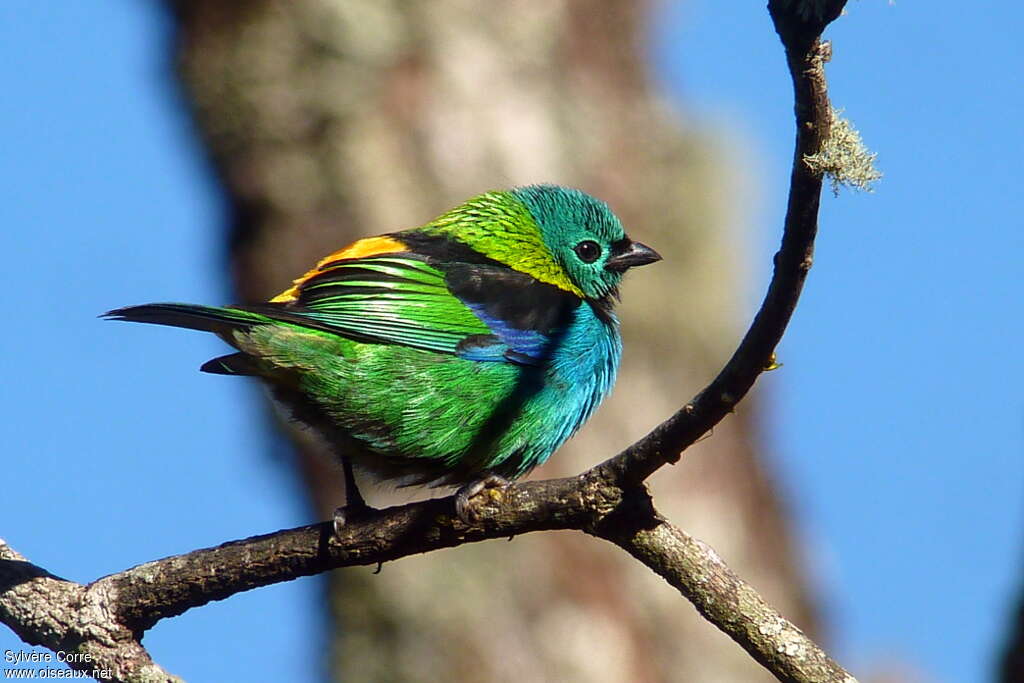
(369, 246)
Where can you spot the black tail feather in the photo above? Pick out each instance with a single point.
(231, 364)
(190, 316)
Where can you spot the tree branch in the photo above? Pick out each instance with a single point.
(107, 618)
(806, 56)
(695, 570)
(593, 502)
(74, 620)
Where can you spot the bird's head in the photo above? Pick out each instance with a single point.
(558, 235)
(585, 238)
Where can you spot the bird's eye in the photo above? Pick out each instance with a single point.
(588, 251)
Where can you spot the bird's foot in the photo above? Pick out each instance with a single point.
(355, 505)
(349, 513)
(474, 496)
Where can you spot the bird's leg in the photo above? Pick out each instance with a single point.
(355, 504)
(353, 498)
(466, 507)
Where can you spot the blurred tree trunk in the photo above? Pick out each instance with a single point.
(329, 120)
(1011, 661)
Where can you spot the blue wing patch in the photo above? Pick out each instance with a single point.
(507, 343)
(526, 317)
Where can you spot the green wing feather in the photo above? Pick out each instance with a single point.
(392, 299)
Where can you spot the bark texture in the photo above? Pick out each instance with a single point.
(328, 120)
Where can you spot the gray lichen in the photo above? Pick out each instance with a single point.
(844, 158)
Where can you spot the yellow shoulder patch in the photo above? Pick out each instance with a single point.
(369, 246)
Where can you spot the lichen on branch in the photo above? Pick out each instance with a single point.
(844, 158)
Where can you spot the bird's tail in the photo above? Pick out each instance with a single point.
(216, 319)
(221, 321)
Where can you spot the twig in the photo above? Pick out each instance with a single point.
(806, 56)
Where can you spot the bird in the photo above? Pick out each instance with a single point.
(461, 353)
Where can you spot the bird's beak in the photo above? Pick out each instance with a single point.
(627, 254)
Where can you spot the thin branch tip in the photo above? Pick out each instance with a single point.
(820, 12)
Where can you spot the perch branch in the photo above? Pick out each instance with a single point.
(134, 600)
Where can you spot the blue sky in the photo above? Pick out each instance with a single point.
(897, 420)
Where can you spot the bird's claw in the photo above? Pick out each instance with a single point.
(469, 502)
(349, 513)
